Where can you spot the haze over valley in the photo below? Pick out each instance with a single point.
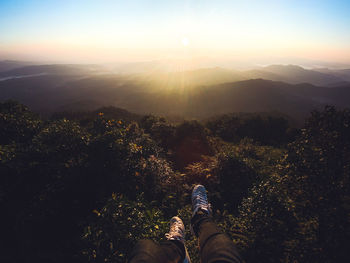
(197, 93)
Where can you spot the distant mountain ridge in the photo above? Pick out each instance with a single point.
(203, 76)
(295, 74)
(199, 93)
(50, 93)
(6, 65)
(64, 69)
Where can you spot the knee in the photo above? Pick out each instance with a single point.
(143, 251)
(145, 244)
(220, 248)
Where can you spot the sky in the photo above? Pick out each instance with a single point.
(100, 31)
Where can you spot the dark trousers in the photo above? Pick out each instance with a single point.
(214, 246)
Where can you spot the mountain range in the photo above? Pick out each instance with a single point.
(199, 93)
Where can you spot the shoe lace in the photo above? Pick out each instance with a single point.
(201, 200)
(175, 231)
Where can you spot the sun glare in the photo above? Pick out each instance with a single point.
(185, 41)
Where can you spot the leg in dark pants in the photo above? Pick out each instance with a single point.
(213, 244)
(170, 251)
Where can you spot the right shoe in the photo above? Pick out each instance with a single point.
(200, 200)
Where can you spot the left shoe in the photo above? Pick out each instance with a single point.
(177, 232)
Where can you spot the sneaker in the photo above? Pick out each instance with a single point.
(177, 232)
(200, 200)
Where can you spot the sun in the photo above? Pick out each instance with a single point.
(185, 41)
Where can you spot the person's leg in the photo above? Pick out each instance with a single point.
(172, 251)
(213, 244)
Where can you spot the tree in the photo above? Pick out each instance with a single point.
(302, 209)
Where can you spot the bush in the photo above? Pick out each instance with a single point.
(302, 210)
(268, 130)
(278, 205)
(17, 123)
(113, 231)
(191, 143)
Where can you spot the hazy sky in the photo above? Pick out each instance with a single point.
(130, 30)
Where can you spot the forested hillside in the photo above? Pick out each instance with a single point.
(84, 187)
(46, 94)
(200, 93)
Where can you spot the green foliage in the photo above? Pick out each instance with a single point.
(320, 190)
(288, 204)
(231, 173)
(118, 225)
(63, 171)
(60, 142)
(160, 130)
(302, 210)
(269, 130)
(185, 143)
(235, 179)
(86, 117)
(192, 143)
(17, 123)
